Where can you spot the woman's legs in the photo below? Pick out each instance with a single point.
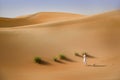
(84, 61)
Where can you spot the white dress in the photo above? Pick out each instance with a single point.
(84, 59)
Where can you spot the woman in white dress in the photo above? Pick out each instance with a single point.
(84, 58)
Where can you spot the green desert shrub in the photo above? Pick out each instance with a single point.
(37, 59)
(55, 59)
(84, 53)
(62, 56)
(76, 54)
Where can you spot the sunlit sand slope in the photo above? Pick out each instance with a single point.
(99, 35)
(42, 17)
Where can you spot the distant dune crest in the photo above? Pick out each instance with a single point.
(38, 18)
(51, 17)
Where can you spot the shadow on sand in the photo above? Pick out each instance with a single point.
(97, 65)
(58, 61)
(42, 62)
(68, 59)
(90, 56)
(78, 55)
(87, 55)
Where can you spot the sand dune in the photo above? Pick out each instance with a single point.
(100, 19)
(99, 35)
(41, 17)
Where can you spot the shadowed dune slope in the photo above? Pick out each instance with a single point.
(99, 35)
(105, 20)
(41, 17)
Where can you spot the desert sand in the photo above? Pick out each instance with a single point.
(21, 41)
(41, 17)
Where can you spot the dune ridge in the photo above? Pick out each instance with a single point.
(103, 19)
(37, 18)
(113, 17)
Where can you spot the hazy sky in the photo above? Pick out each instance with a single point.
(12, 8)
